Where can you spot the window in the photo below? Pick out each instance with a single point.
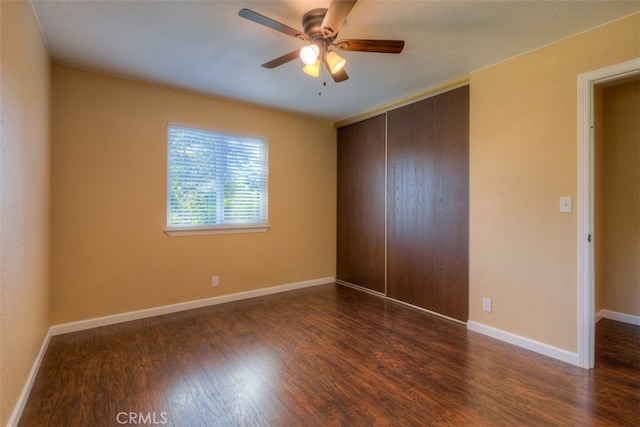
(217, 182)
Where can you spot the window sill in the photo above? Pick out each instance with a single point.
(234, 229)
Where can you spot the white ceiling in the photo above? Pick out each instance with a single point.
(206, 47)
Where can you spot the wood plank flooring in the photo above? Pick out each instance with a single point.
(324, 356)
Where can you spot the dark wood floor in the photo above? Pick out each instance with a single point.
(321, 356)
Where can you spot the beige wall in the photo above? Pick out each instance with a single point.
(24, 198)
(109, 146)
(523, 158)
(618, 199)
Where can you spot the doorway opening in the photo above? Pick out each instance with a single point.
(588, 84)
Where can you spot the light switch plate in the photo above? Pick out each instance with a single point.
(565, 204)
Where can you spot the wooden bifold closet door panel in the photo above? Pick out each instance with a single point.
(428, 203)
(361, 189)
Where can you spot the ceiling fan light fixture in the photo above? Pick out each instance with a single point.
(321, 27)
(313, 69)
(335, 62)
(309, 54)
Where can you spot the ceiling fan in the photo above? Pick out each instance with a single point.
(321, 28)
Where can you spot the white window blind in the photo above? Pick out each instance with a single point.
(216, 180)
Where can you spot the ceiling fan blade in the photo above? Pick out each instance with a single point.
(270, 23)
(381, 46)
(335, 16)
(282, 60)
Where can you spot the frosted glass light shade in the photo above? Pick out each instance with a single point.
(335, 61)
(313, 69)
(309, 54)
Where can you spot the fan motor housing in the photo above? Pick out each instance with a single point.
(312, 23)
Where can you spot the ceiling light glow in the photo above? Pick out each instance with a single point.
(335, 62)
(313, 69)
(309, 54)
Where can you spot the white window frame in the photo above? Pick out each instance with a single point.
(224, 228)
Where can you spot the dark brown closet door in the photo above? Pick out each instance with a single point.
(428, 199)
(361, 189)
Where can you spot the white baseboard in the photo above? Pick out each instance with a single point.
(142, 314)
(617, 316)
(529, 344)
(174, 308)
(26, 390)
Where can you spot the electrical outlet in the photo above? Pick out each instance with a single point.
(486, 304)
(215, 281)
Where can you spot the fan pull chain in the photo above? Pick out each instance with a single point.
(320, 92)
(324, 83)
